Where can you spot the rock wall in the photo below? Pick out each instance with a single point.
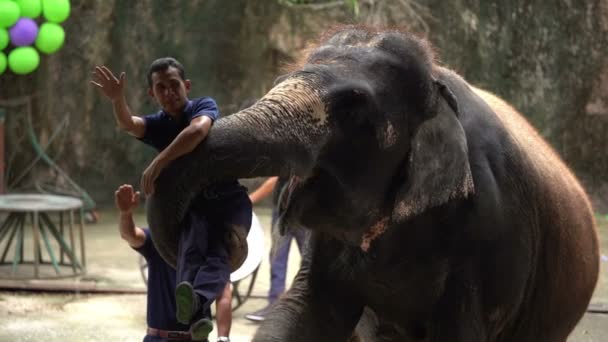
(548, 60)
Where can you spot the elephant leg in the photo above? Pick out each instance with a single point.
(457, 316)
(309, 313)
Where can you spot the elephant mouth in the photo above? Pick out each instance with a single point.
(285, 199)
(298, 207)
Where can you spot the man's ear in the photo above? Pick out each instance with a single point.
(188, 85)
(151, 93)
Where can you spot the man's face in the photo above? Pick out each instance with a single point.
(170, 90)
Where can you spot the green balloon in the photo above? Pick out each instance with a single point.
(30, 8)
(23, 60)
(2, 62)
(56, 11)
(50, 38)
(9, 13)
(4, 38)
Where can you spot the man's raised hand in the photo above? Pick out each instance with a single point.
(108, 84)
(126, 199)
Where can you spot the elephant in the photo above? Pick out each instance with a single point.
(436, 211)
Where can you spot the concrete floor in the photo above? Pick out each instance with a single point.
(37, 316)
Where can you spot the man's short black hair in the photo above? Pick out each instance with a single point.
(163, 64)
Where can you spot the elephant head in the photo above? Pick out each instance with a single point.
(363, 124)
(481, 224)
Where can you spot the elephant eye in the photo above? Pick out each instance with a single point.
(351, 98)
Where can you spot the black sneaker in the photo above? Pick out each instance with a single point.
(259, 315)
(201, 329)
(186, 302)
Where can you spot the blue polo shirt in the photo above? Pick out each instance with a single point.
(162, 129)
(161, 289)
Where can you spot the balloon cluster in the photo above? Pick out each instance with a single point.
(20, 29)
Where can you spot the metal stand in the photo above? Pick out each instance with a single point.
(37, 209)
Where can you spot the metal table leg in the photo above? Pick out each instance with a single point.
(48, 246)
(35, 218)
(81, 233)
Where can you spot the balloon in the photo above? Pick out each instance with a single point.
(50, 38)
(56, 11)
(2, 62)
(24, 32)
(30, 8)
(9, 13)
(23, 60)
(4, 38)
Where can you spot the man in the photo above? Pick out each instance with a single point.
(278, 259)
(160, 311)
(181, 124)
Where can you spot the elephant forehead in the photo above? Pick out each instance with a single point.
(373, 48)
(298, 97)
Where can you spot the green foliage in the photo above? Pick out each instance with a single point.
(601, 218)
(354, 6)
(322, 4)
(303, 2)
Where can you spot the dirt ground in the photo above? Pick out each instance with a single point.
(111, 264)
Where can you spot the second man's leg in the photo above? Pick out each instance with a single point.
(192, 249)
(224, 312)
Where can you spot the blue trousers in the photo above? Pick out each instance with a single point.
(278, 261)
(203, 255)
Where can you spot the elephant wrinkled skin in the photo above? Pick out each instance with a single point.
(437, 212)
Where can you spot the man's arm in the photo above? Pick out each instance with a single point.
(187, 139)
(126, 200)
(131, 233)
(134, 125)
(184, 143)
(263, 190)
(113, 88)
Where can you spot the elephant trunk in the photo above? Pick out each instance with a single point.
(281, 134)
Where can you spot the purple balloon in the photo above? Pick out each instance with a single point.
(24, 32)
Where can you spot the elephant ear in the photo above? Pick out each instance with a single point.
(438, 168)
